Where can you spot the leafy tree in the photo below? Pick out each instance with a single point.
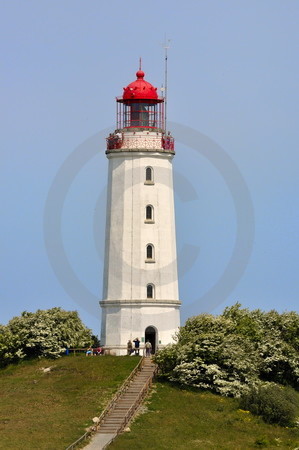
(232, 352)
(43, 333)
(7, 353)
(95, 341)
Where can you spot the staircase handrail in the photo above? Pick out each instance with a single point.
(133, 408)
(108, 407)
(119, 392)
(138, 401)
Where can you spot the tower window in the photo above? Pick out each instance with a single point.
(149, 214)
(150, 257)
(149, 175)
(150, 291)
(149, 251)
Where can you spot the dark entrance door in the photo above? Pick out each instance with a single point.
(150, 335)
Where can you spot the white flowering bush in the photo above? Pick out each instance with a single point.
(43, 333)
(6, 345)
(234, 352)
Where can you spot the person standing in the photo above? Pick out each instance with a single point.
(129, 347)
(137, 345)
(148, 348)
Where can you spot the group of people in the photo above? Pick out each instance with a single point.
(132, 348)
(94, 351)
(135, 350)
(114, 141)
(168, 142)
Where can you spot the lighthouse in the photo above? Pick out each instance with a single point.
(140, 286)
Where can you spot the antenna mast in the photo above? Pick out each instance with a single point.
(166, 47)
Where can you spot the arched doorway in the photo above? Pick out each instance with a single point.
(151, 335)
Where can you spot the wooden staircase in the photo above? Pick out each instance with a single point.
(121, 409)
(130, 398)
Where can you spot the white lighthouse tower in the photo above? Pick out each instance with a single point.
(140, 292)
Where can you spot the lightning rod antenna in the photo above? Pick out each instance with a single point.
(166, 47)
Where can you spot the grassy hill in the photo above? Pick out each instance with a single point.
(189, 419)
(51, 410)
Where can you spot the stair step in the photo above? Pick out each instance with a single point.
(140, 382)
(130, 394)
(114, 420)
(130, 397)
(115, 417)
(118, 416)
(113, 424)
(133, 391)
(108, 431)
(127, 404)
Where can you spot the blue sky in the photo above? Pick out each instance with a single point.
(233, 78)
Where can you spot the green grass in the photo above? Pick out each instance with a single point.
(51, 410)
(187, 419)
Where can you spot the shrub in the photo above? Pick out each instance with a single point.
(231, 352)
(273, 403)
(166, 360)
(45, 333)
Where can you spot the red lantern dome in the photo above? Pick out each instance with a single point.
(140, 117)
(140, 106)
(140, 89)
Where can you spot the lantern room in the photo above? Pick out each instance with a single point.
(140, 106)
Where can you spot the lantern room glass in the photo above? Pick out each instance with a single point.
(140, 114)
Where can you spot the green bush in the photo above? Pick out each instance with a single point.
(273, 403)
(166, 360)
(229, 353)
(45, 333)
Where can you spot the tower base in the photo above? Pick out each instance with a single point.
(124, 320)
